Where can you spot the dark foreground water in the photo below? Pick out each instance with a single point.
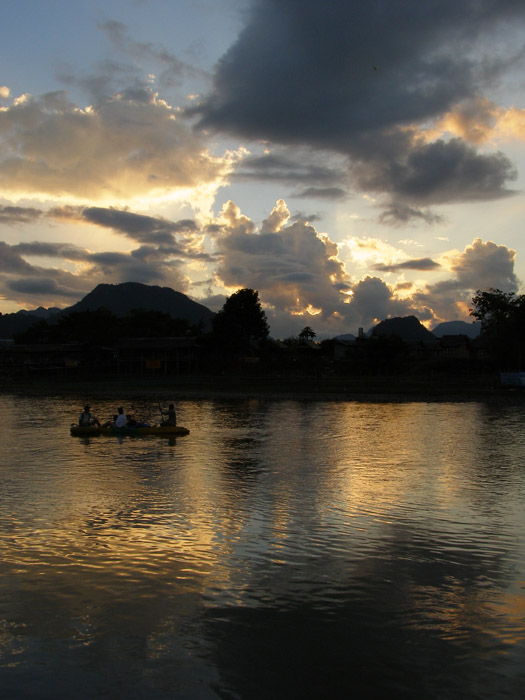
(282, 550)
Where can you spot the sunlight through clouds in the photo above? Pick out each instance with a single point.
(171, 145)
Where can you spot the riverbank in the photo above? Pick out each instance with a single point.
(375, 388)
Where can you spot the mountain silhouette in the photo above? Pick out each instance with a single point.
(122, 298)
(471, 330)
(406, 328)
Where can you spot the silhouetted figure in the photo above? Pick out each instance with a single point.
(172, 416)
(86, 418)
(121, 420)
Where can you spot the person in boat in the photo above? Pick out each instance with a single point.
(172, 416)
(121, 420)
(110, 423)
(87, 419)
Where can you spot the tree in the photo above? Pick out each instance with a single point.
(502, 316)
(495, 309)
(241, 322)
(148, 323)
(307, 333)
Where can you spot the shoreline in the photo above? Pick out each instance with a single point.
(388, 388)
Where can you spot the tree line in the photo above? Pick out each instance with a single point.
(241, 325)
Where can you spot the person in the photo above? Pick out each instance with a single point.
(86, 418)
(121, 420)
(172, 416)
(110, 423)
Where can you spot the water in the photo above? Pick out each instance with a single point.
(283, 549)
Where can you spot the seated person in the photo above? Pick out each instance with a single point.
(172, 416)
(121, 420)
(86, 418)
(110, 423)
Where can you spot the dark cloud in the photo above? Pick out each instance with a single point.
(19, 215)
(423, 264)
(323, 193)
(399, 214)
(301, 167)
(373, 301)
(439, 172)
(52, 250)
(137, 226)
(147, 230)
(41, 286)
(11, 261)
(360, 78)
(147, 264)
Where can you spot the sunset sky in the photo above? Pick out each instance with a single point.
(349, 160)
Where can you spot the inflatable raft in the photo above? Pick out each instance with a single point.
(164, 431)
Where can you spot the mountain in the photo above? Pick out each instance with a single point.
(122, 298)
(407, 328)
(345, 337)
(21, 320)
(472, 330)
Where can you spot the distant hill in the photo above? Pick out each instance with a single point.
(21, 320)
(122, 298)
(407, 328)
(472, 330)
(345, 337)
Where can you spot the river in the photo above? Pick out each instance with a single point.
(283, 549)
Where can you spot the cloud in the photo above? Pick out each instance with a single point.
(41, 286)
(19, 215)
(365, 81)
(282, 165)
(438, 172)
(181, 239)
(299, 275)
(149, 265)
(174, 70)
(323, 193)
(485, 264)
(34, 286)
(423, 264)
(293, 266)
(481, 265)
(373, 301)
(147, 229)
(399, 214)
(66, 251)
(129, 145)
(11, 261)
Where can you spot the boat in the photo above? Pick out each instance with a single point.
(132, 430)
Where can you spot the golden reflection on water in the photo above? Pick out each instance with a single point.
(410, 511)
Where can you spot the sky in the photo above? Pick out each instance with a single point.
(349, 160)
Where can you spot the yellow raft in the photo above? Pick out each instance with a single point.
(164, 431)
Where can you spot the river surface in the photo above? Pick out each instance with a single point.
(283, 549)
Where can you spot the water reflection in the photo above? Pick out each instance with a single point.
(282, 549)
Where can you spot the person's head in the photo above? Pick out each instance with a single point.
(86, 408)
(120, 410)
(171, 406)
